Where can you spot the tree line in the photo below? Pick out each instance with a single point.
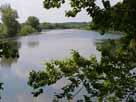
(110, 79)
(11, 27)
(68, 25)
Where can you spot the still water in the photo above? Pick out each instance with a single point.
(34, 50)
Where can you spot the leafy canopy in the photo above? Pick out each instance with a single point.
(34, 22)
(113, 78)
(26, 29)
(119, 17)
(110, 78)
(9, 20)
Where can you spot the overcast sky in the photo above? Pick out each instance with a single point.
(27, 8)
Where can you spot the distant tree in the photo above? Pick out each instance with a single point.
(113, 77)
(34, 22)
(26, 29)
(9, 20)
(120, 16)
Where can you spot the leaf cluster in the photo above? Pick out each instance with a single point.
(111, 78)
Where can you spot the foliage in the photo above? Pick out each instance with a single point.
(77, 5)
(118, 17)
(2, 30)
(26, 29)
(34, 22)
(70, 25)
(10, 24)
(111, 78)
(11, 27)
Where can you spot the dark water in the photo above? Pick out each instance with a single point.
(34, 50)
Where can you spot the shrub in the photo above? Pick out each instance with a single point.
(3, 30)
(26, 29)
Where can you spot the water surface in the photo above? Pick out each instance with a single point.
(34, 50)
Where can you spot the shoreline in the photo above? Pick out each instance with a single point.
(37, 33)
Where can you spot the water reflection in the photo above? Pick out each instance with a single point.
(112, 79)
(7, 62)
(55, 44)
(9, 53)
(33, 44)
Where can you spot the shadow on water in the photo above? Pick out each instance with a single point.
(24, 54)
(33, 44)
(9, 53)
(112, 79)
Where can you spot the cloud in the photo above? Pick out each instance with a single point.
(27, 8)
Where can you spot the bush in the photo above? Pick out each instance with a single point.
(34, 22)
(3, 30)
(26, 29)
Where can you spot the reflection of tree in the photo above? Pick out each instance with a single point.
(112, 79)
(9, 52)
(33, 44)
(1, 88)
(7, 62)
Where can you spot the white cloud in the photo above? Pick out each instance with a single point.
(27, 8)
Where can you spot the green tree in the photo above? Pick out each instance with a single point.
(34, 22)
(26, 29)
(120, 17)
(109, 80)
(9, 19)
(113, 77)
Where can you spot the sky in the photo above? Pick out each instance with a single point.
(28, 8)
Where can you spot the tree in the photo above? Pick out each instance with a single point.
(117, 17)
(113, 77)
(26, 29)
(9, 19)
(34, 22)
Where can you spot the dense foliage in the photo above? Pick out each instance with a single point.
(70, 25)
(9, 28)
(10, 25)
(118, 17)
(111, 79)
(26, 29)
(30, 26)
(34, 22)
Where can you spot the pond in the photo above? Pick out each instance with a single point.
(34, 50)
